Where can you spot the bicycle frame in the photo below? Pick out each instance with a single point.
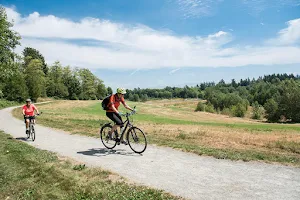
(126, 124)
(136, 133)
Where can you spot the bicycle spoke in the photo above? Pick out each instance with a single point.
(137, 140)
(108, 139)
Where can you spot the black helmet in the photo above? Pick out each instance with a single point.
(28, 100)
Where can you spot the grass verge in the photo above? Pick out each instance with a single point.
(232, 154)
(29, 173)
(4, 103)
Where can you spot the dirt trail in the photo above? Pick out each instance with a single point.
(182, 174)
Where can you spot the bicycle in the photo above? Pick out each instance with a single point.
(135, 136)
(31, 131)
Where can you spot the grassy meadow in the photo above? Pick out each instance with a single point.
(174, 123)
(29, 173)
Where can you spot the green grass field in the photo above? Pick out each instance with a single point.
(95, 109)
(181, 128)
(29, 173)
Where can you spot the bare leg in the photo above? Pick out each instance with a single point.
(27, 124)
(114, 128)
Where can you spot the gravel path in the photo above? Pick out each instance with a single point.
(182, 174)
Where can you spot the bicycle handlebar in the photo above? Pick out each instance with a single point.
(34, 115)
(129, 114)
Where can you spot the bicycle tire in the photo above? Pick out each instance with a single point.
(141, 137)
(111, 142)
(32, 133)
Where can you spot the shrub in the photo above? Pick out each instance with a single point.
(144, 97)
(136, 97)
(239, 110)
(210, 108)
(226, 111)
(271, 107)
(258, 111)
(200, 106)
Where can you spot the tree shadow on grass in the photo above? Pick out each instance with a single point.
(106, 152)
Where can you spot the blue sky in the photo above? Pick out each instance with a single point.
(155, 38)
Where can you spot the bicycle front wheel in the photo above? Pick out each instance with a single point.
(136, 140)
(32, 133)
(108, 140)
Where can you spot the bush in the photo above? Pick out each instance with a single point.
(136, 98)
(4, 103)
(210, 108)
(271, 107)
(144, 97)
(226, 111)
(200, 106)
(258, 111)
(239, 110)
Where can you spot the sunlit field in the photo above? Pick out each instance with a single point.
(174, 123)
(30, 173)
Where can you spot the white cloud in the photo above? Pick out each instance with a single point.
(174, 70)
(137, 47)
(289, 35)
(258, 6)
(196, 8)
(135, 71)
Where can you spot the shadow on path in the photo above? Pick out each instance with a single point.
(106, 152)
(22, 138)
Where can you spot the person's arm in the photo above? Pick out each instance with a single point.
(23, 111)
(125, 105)
(37, 111)
(114, 108)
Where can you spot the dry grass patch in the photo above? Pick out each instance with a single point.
(220, 137)
(184, 110)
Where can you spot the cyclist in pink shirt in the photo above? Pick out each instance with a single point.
(28, 112)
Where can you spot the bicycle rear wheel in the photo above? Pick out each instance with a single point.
(136, 140)
(32, 132)
(108, 140)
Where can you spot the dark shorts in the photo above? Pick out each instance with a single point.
(115, 117)
(30, 118)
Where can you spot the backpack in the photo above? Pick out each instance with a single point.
(105, 102)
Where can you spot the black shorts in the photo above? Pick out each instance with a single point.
(115, 117)
(29, 117)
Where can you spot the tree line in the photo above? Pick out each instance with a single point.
(28, 75)
(276, 96)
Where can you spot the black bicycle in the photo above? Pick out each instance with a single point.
(135, 137)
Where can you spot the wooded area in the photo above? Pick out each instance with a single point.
(28, 76)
